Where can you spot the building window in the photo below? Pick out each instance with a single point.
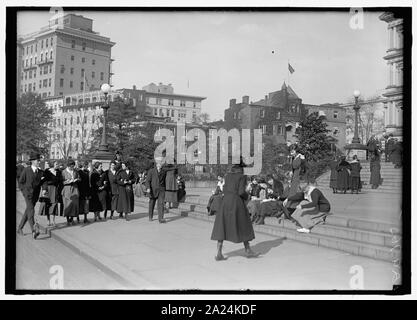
(182, 103)
(155, 111)
(50, 54)
(46, 43)
(61, 83)
(94, 62)
(65, 123)
(82, 85)
(26, 86)
(50, 68)
(93, 74)
(170, 102)
(45, 83)
(172, 113)
(50, 80)
(52, 41)
(40, 84)
(42, 44)
(101, 75)
(278, 117)
(335, 114)
(71, 84)
(262, 113)
(82, 59)
(36, 58)
(72, 71)
(82, 72)
(158, 100)
(62, 68)
(30, 61)
(72, 44)
(161, 113)
(34, 73)
(194, 104)
(263, 127)
(41, 56)
(30, 87)
(30, 74)
(72, 58)
(83, 46)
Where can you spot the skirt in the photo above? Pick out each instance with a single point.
(308, 218)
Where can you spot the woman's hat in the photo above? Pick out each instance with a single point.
(70, 163)
(34, 156)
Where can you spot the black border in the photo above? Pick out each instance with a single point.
(10, 239)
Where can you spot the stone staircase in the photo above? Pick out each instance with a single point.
(392, 179)
(377, 240)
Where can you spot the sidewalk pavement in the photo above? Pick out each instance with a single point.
(180, 255)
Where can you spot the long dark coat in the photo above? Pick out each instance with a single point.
(232, 221)
(114, 189)
(298, 166)
(333, 174)
(171, 187)
(397, 154)
(95, 204)
(375, 168)
(126, 199)
(70, 194)
(355, 175)
(103, 191)
(343, 176)
(52, 183)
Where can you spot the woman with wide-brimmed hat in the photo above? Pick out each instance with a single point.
(232, 221)
(125, 178)
(70, 193)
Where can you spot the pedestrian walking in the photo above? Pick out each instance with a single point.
(125, 178)
(397, 154)
(70, 193)
(30, 181)
(114, 188)
(343, 175)
(181, 189)
(232, 222)
(389, 144)
(355, 175)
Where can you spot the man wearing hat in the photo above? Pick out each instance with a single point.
(30, 182)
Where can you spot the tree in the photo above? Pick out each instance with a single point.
(32, 119)
(315, 143)
(204, 117)
(275, 159)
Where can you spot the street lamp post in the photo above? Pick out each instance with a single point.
(103, 154)
(356, 108)
(356, 148)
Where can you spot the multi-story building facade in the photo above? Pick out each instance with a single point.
(65, 57)
(162, 102)
(77, 116)
(394, 90)
(334, 115)
(276, 114)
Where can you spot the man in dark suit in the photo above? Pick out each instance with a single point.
(30, 182)
(155, 185)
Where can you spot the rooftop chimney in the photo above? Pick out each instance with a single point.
(232, 102)
(245, 99)
(134, 87)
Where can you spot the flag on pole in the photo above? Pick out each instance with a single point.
(290, 69)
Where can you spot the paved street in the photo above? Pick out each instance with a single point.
(38, 261)
(180, 255)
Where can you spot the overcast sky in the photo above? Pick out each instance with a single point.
(225, 55)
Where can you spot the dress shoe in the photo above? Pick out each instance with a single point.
(35, 235)
(219, 257)
(127, 218)
(162, 221)
(251, 254)
(20, 232)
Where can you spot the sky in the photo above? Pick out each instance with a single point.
(222, 55)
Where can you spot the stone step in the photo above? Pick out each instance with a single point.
(359, 237)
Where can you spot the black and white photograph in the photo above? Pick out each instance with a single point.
(208, 149)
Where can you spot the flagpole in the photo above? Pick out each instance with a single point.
(288, 71)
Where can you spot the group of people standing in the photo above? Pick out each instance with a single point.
(345, 175)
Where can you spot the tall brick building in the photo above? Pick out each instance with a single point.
(276, 114)
(65, 57)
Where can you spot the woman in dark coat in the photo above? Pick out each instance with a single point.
(343, 175)
(114, 187)
(232, 221)
(298, 169)
(355, 174)
(95, 203)
(103, 190)
(53, 185)
(125, 178)
(181, 189)
(397, 154)
(375, 168)
(171, 187)
(333, 175)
